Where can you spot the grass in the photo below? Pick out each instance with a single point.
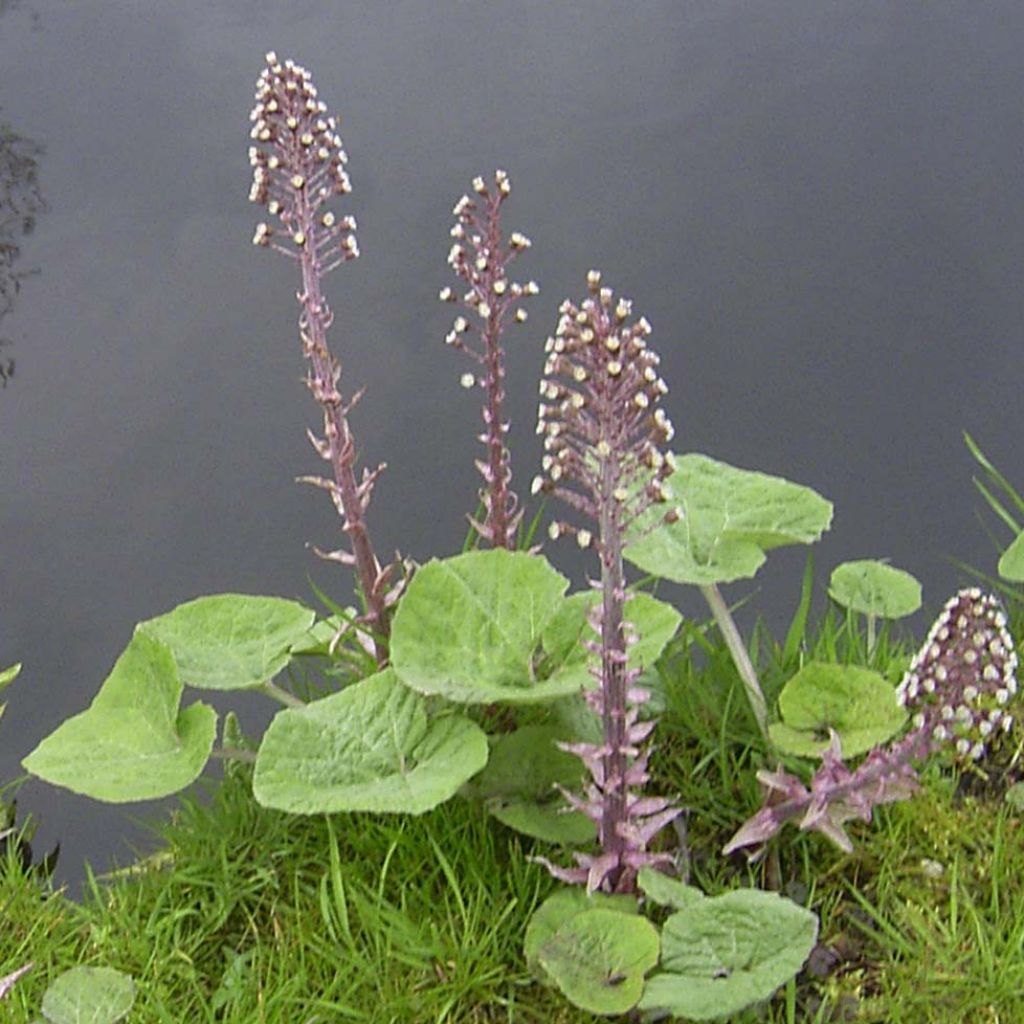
(249, 915)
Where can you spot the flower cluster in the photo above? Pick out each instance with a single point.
(298, 165)
(958, 686)
(961, 681)
(480, 256)
(600, 417)
(602, 430)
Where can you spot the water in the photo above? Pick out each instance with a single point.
(817, 205)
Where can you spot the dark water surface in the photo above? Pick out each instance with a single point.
(819, 206)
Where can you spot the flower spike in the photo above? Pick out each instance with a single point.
(299, 167)
(958, 687)
(481, 258)
(603, 429)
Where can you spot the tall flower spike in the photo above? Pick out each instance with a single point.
(602, 430)
(298, 168)
(480, 256)
(958, 688)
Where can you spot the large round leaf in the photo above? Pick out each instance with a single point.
(89, 995)
(723, 954)
(874, 588)
(730, 518)
(559, 907)
(231, 641)
(665, 891)
(855, 702)
(133, 743)
(518, 786)
(598, 959)
(370, 747)
(469, 628)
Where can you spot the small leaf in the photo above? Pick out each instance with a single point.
(1014, 796)
(132, 743)
(598, 959)
(8, 675)
(665, 891)
(1011, 564)
(231, 641)
(518, 785)
(874, 588)
(560, 907)
(723, 954)
(469, 628)
(730, 518)
(370, 747)
(89, 995)
(857, 703)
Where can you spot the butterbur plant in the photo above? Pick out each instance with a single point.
(299, 166)
(603, 430)
(481, 256)
(958, 689)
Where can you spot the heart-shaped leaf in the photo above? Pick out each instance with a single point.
(370, 747)
(469, 628)
(874, 588)
(725, 953)
(132, 743)
(89, 995)
(855, 702)
(231, 641)
(730, 518)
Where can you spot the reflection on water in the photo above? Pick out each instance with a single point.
(21, 201)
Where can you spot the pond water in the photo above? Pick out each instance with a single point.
(819, 207)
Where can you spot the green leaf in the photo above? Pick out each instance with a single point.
(726, 953)
(132, 743)
(860, 705)
(730, 518)
(874, 588)
(560, 907)
(518, 785)
(231, 641)
(665, 891)
(370, 747)
(598, 959)
(89, 995)
(469, 628)
(654, 622)
(1011, 564)
(7, 676)
(1014, 796)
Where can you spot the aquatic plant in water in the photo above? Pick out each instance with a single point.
(299, 164)
(481, 256)
(958, 687)
(603, 429)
